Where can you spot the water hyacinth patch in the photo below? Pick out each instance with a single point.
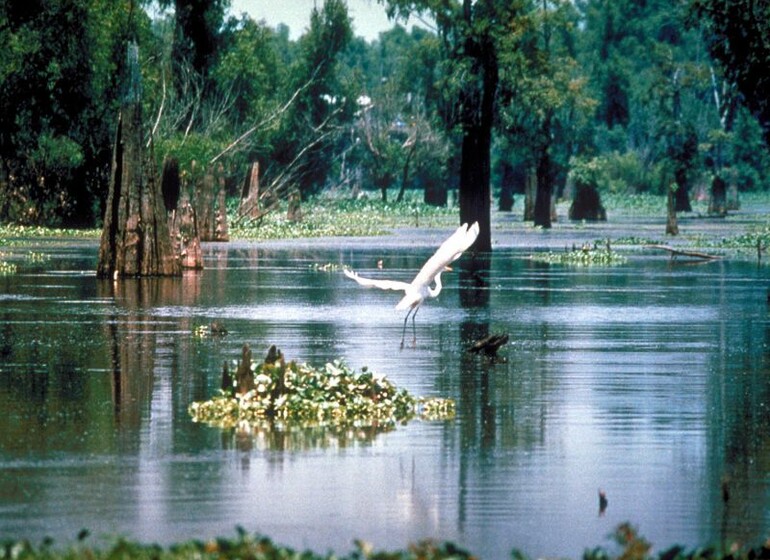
(583, 256)
(289, 395)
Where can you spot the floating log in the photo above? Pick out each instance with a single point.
(684, 253)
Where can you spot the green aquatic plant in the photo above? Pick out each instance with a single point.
(336, 216)
(243, 546)
(26, 232)
(629, 545)
(284, 395)
(587, 255)
(7, 268)
(36, 257)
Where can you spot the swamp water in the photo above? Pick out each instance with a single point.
(647, 380)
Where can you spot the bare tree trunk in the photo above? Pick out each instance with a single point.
(672, 228)
(718, 198)
(249, 205)
(530, 193)
(135, 238)
(182, 222)
(184, 232)
(507, 181)
(544, 190)
(221, 229)
(204, 205)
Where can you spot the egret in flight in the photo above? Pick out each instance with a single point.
(419, 289)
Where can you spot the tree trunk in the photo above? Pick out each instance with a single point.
(477, 122)
(221, 229)
(135, 238)
(718, 198)
(249, 205)
(182, 223)
(672, 228)
(587, 204)
(474, 184)
(184, 232)
(507, 182)
(544, 190)
(435, 194)
(530, 193)
(682, 194)
(405, 171)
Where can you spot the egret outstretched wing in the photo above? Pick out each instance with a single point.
(449, 251)
(373, 283)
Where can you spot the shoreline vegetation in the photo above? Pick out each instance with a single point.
(628, 545)
(368, 216)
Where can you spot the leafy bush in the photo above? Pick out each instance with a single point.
(618, 173)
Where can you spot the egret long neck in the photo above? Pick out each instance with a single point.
(433, 292)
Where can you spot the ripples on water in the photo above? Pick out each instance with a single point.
(647, 380)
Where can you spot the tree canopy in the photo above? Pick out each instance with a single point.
(496, 93)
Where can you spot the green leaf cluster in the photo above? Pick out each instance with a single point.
(291, 395)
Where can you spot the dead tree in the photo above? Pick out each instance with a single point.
(210, 206)
(184, 231)
(221, 230)
(672, 227)
(182, 222)
(135, 238)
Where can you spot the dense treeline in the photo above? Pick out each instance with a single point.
(622, 95)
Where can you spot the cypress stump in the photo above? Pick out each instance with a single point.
(135, 238)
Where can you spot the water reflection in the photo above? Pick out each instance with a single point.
(647, 381)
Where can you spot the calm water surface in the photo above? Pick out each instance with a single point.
(648, 381)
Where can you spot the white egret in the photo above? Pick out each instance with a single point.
(420, 288)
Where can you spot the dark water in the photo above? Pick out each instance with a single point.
(649, 381)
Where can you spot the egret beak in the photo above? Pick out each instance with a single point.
(447, 268)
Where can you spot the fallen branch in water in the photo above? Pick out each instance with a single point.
(681, 252)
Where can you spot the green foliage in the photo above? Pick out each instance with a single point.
(618, 173)
(587, 255)
(57, 97)
(624, 83)
(243, 546)
(631, 546)
(736, 33)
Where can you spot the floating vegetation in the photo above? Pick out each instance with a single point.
(245, 545)
(338, 216)
(26, 232)
(327, 267)
(281, 396)
(633, 240)
(213, 329)
(7, 268)
(586, 255)
(628, 545)
(35, 257)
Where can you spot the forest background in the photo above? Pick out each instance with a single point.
(614, 96)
